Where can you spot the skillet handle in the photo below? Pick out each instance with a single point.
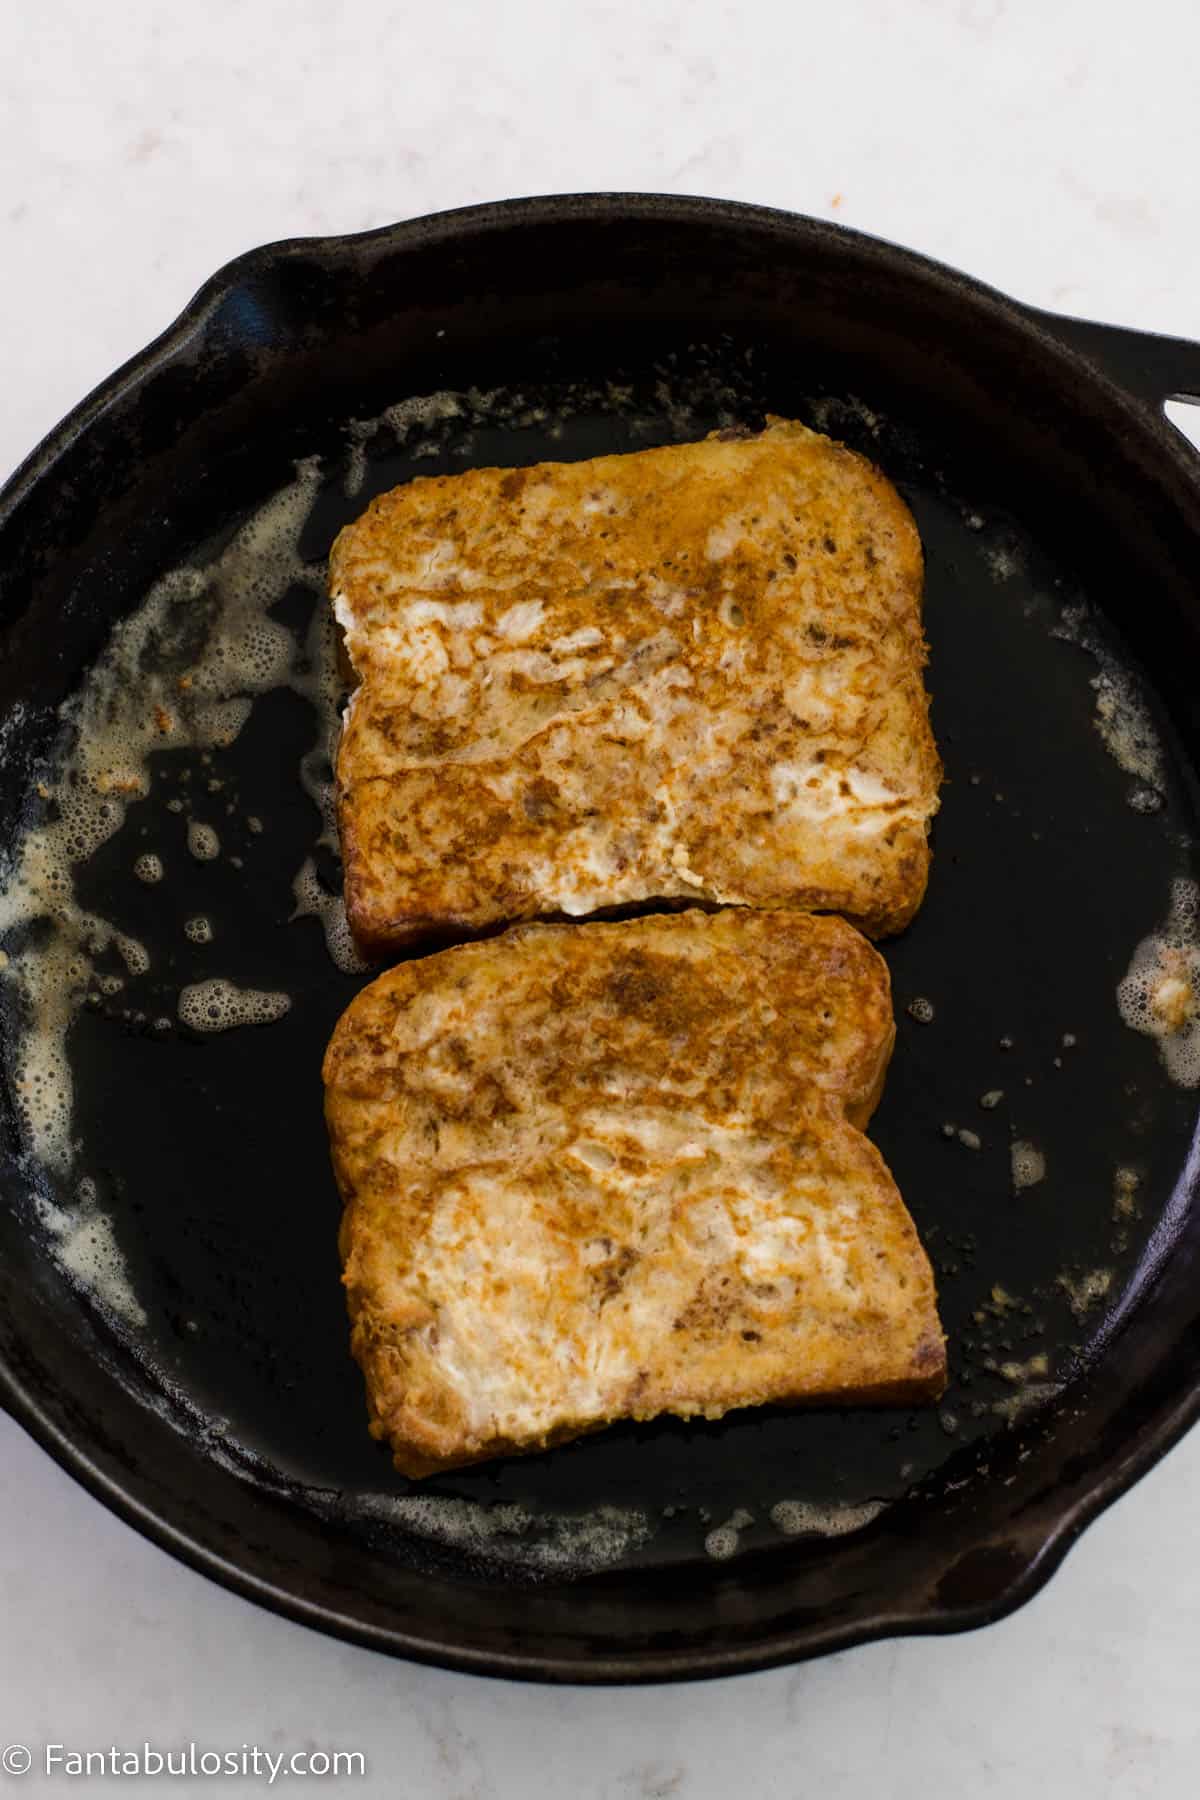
(1150, 367)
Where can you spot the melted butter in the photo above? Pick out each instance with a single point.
(573, 1543)
(1083, 1291)
(1160, 992)
(1122, 718)
(1028, 1165)
(181, 672)
(1127, 730)
(85, 1246)
(1035, 1367)
(796, 1518)
(133, 954)
(405, 418)
(723, 1541)
(1126, 1182)
(202, 841)
(1024, 1399)
(218, 1005)
(314, 900)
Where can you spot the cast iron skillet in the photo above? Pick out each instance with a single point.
(1042, 473)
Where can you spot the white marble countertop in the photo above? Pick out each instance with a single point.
(1051, 149)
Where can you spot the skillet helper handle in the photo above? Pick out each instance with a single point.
(1150, 367)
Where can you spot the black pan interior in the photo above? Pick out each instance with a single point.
(232, 1424)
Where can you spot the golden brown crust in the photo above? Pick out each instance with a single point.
(692, 673)
(614, 1170)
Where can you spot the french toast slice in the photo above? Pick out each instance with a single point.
(683, 674)
(614, 1170)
